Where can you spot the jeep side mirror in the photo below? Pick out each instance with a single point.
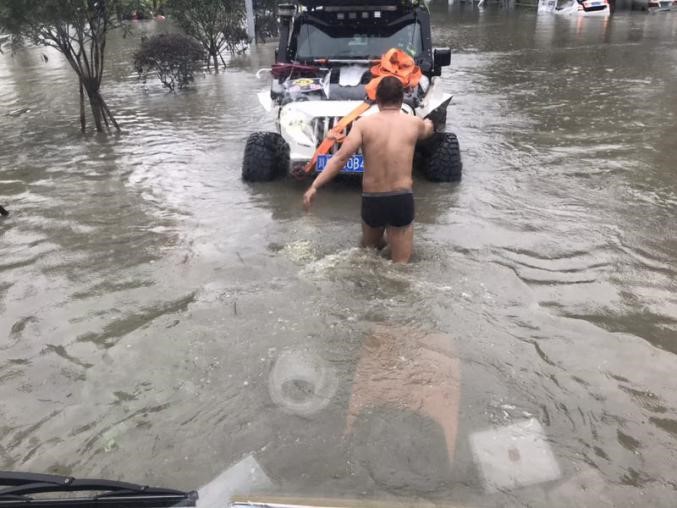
(441, 58)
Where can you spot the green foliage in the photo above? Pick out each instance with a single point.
(216, 24)
(139, 9)
(265, 12)
(12, 17)
(235, 35)
(173, 57)
(50, 22)
(135, 9)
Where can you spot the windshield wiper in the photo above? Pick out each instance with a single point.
(15, 490)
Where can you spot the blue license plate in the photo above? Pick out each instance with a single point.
(354, 165)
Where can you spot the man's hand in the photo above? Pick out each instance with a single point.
(309, 197)
(336, 162)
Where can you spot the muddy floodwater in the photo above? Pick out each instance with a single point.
(161, 320)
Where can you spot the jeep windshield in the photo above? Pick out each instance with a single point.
(314, 42)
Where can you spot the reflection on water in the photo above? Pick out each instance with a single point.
(405, 370)
(160, 321)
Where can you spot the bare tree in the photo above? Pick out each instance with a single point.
(216, 24)
(77, 29)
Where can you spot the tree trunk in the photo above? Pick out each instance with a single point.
(100, 110)
(83, 121)
(110, 115)
(212, 55)
(97, 110)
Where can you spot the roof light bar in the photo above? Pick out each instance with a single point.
(345, 8)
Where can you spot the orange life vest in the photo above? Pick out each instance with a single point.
(394, 63)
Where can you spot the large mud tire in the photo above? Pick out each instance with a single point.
(441, 158)
(266, 157)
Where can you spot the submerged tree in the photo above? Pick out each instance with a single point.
(216, 24)
(265, 12)
(174, 58)
(77, 29)
(236, 36)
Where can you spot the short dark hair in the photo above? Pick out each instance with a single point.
(390, 91)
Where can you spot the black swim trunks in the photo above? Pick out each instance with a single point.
(381, 209)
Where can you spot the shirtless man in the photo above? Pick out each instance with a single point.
(387, 139)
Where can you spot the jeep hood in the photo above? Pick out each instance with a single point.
(327, 108)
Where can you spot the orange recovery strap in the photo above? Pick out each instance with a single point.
(394, 62)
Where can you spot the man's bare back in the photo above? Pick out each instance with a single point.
(388, 139)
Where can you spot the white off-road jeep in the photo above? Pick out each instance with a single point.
(323, 62)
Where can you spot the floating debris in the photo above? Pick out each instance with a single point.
(18, 112)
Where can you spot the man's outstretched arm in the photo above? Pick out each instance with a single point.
(350, 145)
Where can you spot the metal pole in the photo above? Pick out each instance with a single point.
(251, 30)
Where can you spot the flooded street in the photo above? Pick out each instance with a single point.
(161, 320)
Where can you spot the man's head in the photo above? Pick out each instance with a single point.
(389, 92)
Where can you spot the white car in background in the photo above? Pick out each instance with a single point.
(577, 7)
(588, 8)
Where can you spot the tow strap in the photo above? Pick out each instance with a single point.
(335, 135)
(394, 62)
